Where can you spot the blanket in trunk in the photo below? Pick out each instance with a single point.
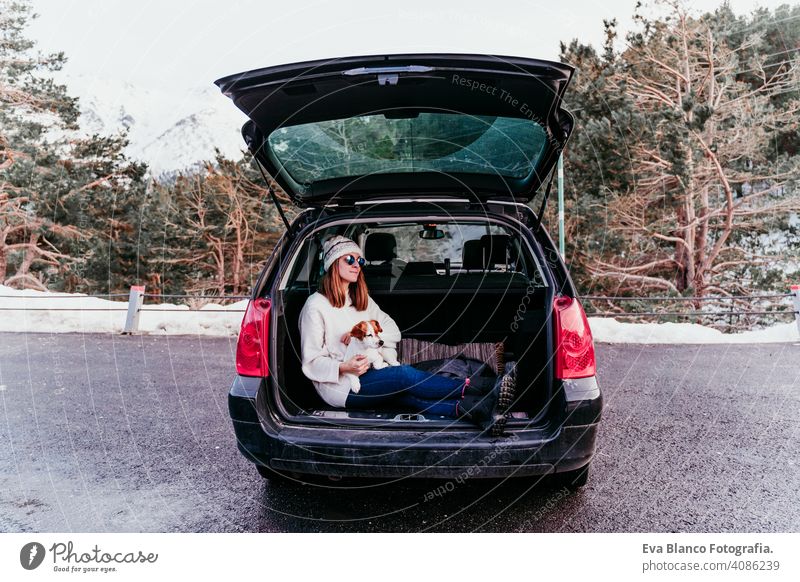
(411, 351)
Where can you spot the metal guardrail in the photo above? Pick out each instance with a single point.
(134, 308)
(171, 296)
(61, 309)
(137, 296)
(794, 295)
(56, 296)
(694, 313)
(716, 298)
(136, 303)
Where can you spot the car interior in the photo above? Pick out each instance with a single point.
(458, 288)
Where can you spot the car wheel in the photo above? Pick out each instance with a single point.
(574, 479)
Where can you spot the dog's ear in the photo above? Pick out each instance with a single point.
(376, 325)
(359, 330)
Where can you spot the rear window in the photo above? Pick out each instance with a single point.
(452, 251)
(426, 142)
(412, 248)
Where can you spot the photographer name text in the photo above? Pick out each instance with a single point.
(736, 550)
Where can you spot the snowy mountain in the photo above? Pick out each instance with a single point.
(170, 131)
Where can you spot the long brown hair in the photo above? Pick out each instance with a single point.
(333, 287)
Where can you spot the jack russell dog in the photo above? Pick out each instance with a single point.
(364, 339)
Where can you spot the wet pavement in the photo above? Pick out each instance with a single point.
(127, 434)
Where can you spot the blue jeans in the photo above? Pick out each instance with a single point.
(408, 387)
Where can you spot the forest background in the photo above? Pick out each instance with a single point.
(681, 175)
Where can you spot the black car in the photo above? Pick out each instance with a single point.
(439, 166)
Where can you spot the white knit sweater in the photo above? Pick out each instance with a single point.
(321, 329)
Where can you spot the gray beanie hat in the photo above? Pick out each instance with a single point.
(338, 246)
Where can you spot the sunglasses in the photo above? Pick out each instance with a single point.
(350, 260)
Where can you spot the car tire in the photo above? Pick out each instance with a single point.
(574, 479)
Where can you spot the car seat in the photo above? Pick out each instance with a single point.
(471, 258)
(383, 268)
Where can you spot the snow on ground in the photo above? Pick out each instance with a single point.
(609, 330)
(38, 314)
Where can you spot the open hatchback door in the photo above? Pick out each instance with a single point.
(356, 128)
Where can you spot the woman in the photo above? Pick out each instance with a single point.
(329, 314)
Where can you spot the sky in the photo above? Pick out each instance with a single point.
(178, 45)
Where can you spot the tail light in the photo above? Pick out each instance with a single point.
(574, 345)
(251, 349)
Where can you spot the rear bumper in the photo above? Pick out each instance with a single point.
(359, 452)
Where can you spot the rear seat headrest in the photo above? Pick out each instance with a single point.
(471, 256)
(380, 246)
(494, 248)
(487, 251)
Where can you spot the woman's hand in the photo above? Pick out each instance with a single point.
(357, 365)
(346, 338)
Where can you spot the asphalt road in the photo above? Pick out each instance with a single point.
(118, 434)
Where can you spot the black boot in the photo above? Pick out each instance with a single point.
(479, 410)
(478, 386)
(510, 379)
(488, 410)
(508, 388)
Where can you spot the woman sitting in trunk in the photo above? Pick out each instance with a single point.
(325, 322)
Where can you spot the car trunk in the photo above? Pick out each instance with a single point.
(476, 312)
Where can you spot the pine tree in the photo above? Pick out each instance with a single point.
(682, 146)
(219, 228)
(68, 204)
(30, 104)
